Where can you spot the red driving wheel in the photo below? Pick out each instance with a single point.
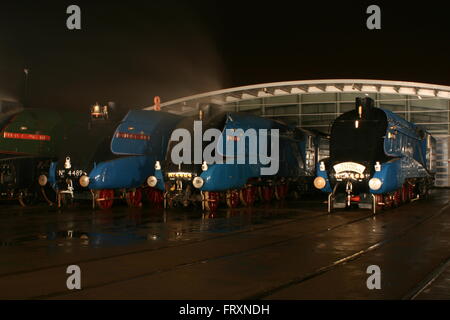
(155, 195)
(397, 198)
(266, 193)
(105, 198)
(248, 195)
(233, 198)
(211, 200)
(134, 198)
(281, 191)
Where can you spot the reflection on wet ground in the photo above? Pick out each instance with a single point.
(123, 226)
(288, 250)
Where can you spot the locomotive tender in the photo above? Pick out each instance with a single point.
(193, 182)
(377, 160)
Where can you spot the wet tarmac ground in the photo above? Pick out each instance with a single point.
(290, 250)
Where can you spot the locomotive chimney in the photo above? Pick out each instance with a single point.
(363, 106)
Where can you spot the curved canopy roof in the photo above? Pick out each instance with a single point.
(237, 94)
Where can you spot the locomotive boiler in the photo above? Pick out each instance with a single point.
(377, 159)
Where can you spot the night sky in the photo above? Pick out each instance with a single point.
(130, 51)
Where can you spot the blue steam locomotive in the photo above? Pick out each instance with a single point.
(139, 139)
(377, 160)
(243, 169)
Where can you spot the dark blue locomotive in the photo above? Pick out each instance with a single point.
(233, 177)
(377, 160)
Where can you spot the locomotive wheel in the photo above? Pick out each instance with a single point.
(27, 198)
(104, 198)
(232, 198)
(397, 198)
(134, 198)
(211, 200)
(281, 191)
(248, 195)
(266, 193)
(155, 195)
(388, 201)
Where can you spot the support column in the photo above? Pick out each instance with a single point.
(408, 108)
(299, 103)
(263, 106)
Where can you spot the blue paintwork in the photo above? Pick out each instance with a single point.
(220, 177)
(160, 176)
(390, 175)
(52, 174)
(406, 142)
(225, 176)
(133, 171)
(236, 175)
(155, 124)
(394, 173)
(324, 175)
(126, 172)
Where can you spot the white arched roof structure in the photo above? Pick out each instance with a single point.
(238, 94)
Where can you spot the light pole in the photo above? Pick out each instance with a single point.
(25, 100)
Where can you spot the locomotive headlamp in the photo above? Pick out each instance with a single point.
(204, 166)
(157, 165)
(319, 182)
(198, 182)
(67, 164)
(84, 181)
(375, 183)
(42, 180)
(322, 166)
(377, 166)
(152, 181)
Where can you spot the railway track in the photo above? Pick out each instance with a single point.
(415, 292)
(260, 295)
(267, 292)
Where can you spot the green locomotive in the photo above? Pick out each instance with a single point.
(29, 140)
